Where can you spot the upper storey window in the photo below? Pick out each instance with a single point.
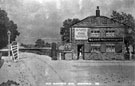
(110, 48)
(95, 33)
(110, 33)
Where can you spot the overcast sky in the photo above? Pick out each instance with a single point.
(43, 18)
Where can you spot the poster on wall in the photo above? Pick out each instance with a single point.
(81, 33)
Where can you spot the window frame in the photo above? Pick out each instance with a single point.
(111, 48)
(95, 33)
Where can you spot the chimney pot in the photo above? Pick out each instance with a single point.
(98, 11)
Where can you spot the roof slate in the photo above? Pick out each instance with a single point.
(95, 21)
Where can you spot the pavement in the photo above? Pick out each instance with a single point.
(39, 70)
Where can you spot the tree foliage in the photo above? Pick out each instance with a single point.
(124, 18)
(65, 29)
(5, 25)
(39, 43)
(129, 22)
(47, 44)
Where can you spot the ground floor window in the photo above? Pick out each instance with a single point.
(95, 47)
(104, 47)
(110, 47)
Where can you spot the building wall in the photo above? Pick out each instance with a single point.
(103, 53)
(98, 37)
(118, 32)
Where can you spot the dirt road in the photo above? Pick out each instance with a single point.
(39, 70)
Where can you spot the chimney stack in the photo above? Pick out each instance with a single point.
(97, 12)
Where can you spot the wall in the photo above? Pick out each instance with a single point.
(119, 32)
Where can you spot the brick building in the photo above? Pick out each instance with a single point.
(97, 37)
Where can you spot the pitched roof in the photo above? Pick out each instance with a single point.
(98, 21)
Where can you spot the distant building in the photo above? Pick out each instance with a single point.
(97, 37)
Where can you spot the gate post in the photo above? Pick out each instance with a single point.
(54, 51)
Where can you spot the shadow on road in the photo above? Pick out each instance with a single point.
(1, 62)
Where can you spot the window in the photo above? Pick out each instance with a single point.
(95, 48)
(110, 48)
(95, 33)
(110, 33)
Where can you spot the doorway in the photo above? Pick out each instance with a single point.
(80, 51)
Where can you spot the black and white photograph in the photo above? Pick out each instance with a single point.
(67, 42)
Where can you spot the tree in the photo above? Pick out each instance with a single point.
(5, 25)
(124, 18)
(129, 22)
(13, 29)
(39, 43)
(65, 29)
(47, 44)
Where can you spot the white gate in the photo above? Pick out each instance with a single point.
(15, 50)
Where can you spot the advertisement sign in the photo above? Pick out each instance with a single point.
(105, 39)
(81, 33)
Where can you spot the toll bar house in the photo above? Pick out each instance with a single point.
(97, 37)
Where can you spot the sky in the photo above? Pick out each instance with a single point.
(43, 18)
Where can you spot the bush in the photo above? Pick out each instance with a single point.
(9, 83)
(126, 56)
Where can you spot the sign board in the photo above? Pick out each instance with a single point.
(105, 39)
(15, 50)
(81, 33)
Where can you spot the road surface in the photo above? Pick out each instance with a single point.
(40, 70)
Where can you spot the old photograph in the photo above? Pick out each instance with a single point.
(67, 42)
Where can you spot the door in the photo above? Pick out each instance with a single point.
(80, 51)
